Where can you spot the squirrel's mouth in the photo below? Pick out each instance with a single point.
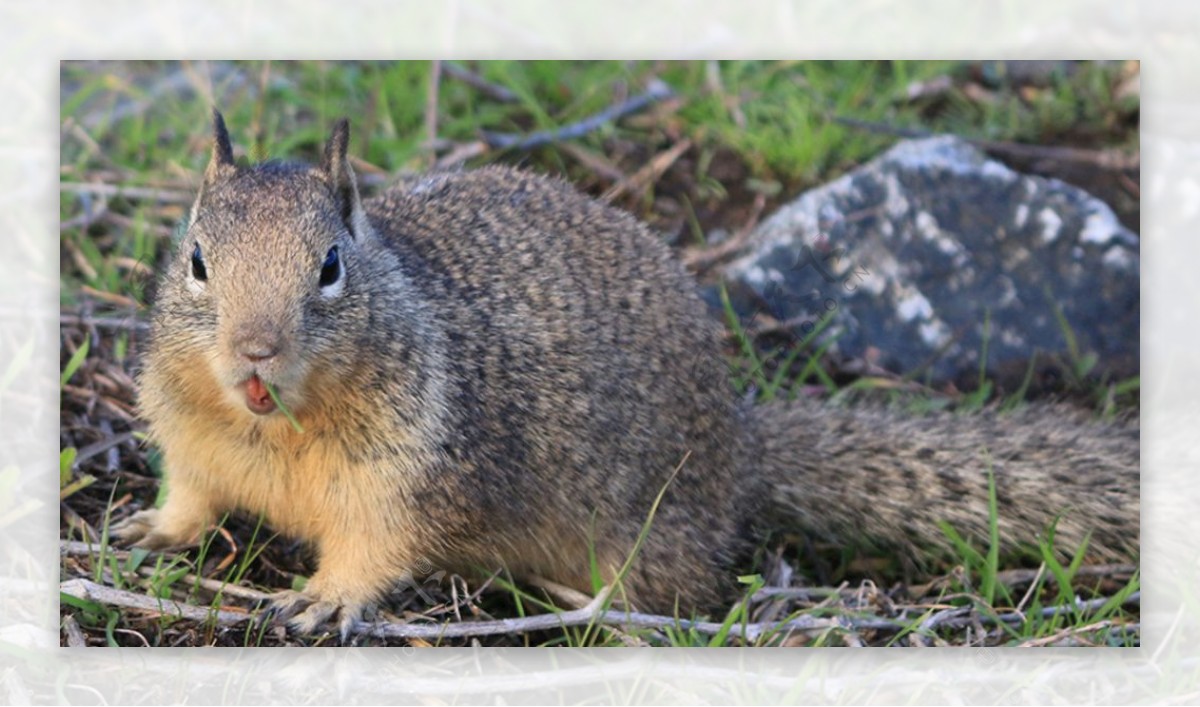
(258, 399)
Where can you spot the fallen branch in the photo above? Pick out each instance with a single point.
(100, 447)
(955, 618)
(657, 91)
(104, 322)
(493, 91)
(89, 590)
(164, 195)
(594, 614)
(1115, 160)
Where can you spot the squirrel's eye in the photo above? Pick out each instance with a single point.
(198, 270)
(331, 270)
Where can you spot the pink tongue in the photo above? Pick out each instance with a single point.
(257, 397)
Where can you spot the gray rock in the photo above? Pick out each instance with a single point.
(912, 252)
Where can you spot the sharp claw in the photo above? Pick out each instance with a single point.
(305, 614)
(348, 621)
(312, 618)
(345, 626)
(284, 605)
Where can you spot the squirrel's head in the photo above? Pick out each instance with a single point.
(269, 279)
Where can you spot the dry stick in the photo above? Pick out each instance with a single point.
(89, 590)
(75, 547)
(578, 600)
(431, 102)
(700, 260)
(461, 153)
(940, 618)
(648, 174)
(111, 297)
(657, 91)
(83, 221)
(81, 262)
(1047, 612)
(75, 637)
(801, 593)
(102, 446)
(103, 322)
(125, 222)
(1105, 159)
(215, 586)
(164, 195)
(594, 162)
(494, 91)
(1026, 575)
(1065, 633)
(593, 614)
(1033, 585)
(571, 597)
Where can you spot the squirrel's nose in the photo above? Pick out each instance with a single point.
(258, 346)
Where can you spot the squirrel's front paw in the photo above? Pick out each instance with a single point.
(306, 613)
(142, 530)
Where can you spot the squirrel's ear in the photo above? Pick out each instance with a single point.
(220, 165)
(336, 167)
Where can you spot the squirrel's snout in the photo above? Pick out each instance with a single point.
(258, 346)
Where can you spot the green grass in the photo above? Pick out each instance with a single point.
(981, 588)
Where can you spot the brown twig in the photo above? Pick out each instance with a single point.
(461, 153)
(649, 174)
(596, 163)
(567, 595)
(1066, 633)
(431, 101)
(111, 297)
(700, 259)
(657, 91)
(493, 91)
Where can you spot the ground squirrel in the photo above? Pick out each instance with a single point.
(491, 369)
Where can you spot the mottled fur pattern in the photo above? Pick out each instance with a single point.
(854, 474)
(508, 373)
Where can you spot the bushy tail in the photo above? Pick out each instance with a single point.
(848, 475)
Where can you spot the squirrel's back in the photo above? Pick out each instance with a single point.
(584, 378)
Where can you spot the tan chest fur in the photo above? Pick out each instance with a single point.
(308, 485)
